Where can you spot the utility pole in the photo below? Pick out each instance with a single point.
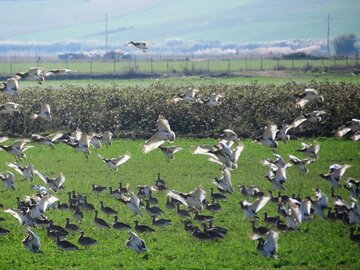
(328, 34)
(106, 32)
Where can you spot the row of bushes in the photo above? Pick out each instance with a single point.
(132, 111)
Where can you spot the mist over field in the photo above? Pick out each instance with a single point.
(175, 27)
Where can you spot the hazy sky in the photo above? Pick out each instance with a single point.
(157, 20)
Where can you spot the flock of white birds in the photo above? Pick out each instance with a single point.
(293, 211)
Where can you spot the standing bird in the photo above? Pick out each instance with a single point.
(32, 241)
(114, 163)
(269, 134)
(162, 133)
(85, 240)
(10, 87)
(309, 95)
(9, 108)
(44, 113)
(139, 45)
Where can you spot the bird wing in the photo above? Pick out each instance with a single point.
(174, 149)
(270, 131)
(60, 180)
(342, 131)
(295, 159)
(236, 152)
(300, 103)
(259, 203)
(16, 167)
(202, 149)
(176, 195)
(42, 176)
(153, 143)
(85, 140)
(163, 124)
(54, 137)
(121, 160)
(45, 108)
(198, 194)
(337, 173)
(19, 144)
(134, 199)
(45, 201)
(77, 134)
(16, 213)
(310, 92)
(298, 121)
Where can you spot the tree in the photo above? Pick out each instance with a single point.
(344, 44)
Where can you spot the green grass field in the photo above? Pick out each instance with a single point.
(318, 245)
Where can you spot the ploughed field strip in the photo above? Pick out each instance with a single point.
(69, 203)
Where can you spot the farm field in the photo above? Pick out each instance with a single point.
(320, 244)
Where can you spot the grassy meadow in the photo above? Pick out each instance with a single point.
(318, 245)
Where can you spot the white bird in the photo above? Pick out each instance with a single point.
(22, 216)
(229, 135)
(140, 45)
(169, 151)
(25, 171)
(133, 203)
(189, 97)
(36, 73)
(356, 136)
(309, 95)
(32, 241)
(300, 164)
(193, 199)
(213, 100)
(311, 150)
(107, 137)
(9, 180)
(17, 148)
(82, 145)
(282, 134)
(319, 203)
(353, 125)
(269, 134)
(224, 183)
(135, 243)
(10, 108)
(250, 209)
(268, 247)
(47, 140)
(335, 174)
(162, 133)
(114, 163)
(10, 87)
(41, 206)
(61, 71)
(44, 113)
(52, 183)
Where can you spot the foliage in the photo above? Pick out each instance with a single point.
(132, 111)
(344, 44)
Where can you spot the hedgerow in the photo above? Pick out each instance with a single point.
(132, 111)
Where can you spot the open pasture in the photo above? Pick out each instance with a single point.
(319, 244)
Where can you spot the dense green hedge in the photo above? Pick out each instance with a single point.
(132, 111)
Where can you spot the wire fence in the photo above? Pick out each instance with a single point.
(186, 65)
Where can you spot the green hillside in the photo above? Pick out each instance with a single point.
(230, 20)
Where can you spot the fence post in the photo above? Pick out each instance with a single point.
(187, 63)
(67, 63)
(167, 65)
(228, 65)
(334, 60)
(277, 62)
(246, 66)
(323, 61)
(91, 67)
(261, 64)
(151, 65)
(11, 64)
(293, 64)
(346, 60)
(135, 66)
(208, 66)
(357, 57)
(114, 65)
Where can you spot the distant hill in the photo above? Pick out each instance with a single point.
(158, 20)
